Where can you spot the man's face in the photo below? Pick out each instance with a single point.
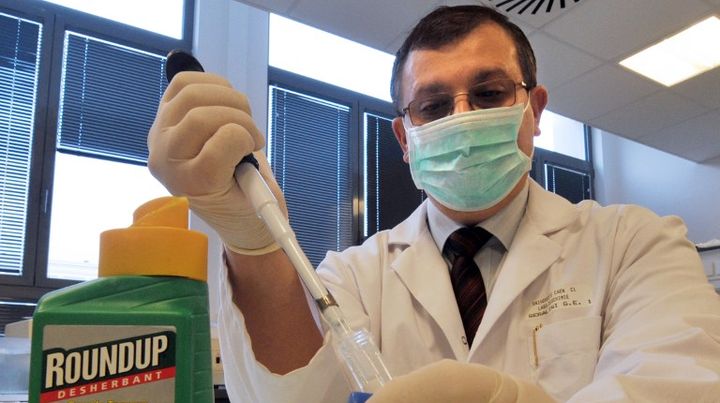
(486, 53)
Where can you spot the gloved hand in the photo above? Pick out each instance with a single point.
(450, 381)
(202, 130)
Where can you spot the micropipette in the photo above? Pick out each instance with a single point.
(365, 368)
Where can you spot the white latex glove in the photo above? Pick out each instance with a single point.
(450, 381)
(202, 130)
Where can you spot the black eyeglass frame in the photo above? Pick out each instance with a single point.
(406, 111)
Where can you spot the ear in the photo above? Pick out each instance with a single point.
(399, 130)
(539, 100)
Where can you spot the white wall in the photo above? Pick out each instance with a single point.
(231, 39)
(629, 172)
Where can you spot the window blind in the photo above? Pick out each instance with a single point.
(109, 97)
(308, 148)
(19, 61)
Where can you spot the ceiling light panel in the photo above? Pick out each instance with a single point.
(681, 56)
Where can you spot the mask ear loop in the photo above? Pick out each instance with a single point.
(528, 102)
(527, 105)
(405, 125)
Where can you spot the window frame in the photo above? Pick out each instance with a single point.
(55, 20)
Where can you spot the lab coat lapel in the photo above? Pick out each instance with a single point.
(531, 253)
(423, 271)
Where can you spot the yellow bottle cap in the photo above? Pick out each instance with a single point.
(158, 243)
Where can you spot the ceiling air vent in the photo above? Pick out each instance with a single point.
(524, 7)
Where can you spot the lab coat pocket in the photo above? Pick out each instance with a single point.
(564, 354)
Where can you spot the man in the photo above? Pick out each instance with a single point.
(575, 302)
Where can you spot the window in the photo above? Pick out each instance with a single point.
(96, 120)
(319, 55)
(327, 147)
(390, 194)
(309, 149)
(563, 160)
(568, 176)
(161, 16)
(329, 141)
(562, 135)
(78, 94)
(91, 195)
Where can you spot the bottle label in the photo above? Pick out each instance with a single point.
(88, 364)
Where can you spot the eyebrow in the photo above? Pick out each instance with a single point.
(431, 89)
(479, 77)
(492, 74)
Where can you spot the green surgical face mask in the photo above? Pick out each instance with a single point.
(469, 161)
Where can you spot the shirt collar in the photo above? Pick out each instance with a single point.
(503, 225)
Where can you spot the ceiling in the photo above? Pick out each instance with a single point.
(578, 48)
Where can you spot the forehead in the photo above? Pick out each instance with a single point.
(487, 51)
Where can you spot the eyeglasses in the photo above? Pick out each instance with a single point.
(485, 95)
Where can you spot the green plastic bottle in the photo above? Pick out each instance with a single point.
(138, 333)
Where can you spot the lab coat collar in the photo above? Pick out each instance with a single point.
(407, 232)
(547, 211)
(431, 288)
(531, 253)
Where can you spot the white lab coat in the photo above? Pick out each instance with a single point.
(595, 304)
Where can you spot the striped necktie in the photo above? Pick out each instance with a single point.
(460, 248)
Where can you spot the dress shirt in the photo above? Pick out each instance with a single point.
(502, 225)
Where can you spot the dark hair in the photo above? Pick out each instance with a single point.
(446, 25)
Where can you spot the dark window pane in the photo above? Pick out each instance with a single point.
(573, 185)
(391, 195)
